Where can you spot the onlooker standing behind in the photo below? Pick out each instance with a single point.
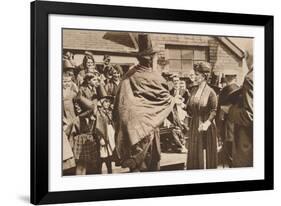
(179, 132)
(242, 115)
(70, 91)
(225, 127)
(178, 90)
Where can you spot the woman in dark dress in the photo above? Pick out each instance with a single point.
(202, 106)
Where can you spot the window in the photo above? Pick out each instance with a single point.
(182, 58)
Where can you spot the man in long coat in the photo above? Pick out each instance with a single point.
(226, 128)
(142, 103)
(242, 116)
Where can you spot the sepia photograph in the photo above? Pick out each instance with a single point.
(147, 102)
(136, 102)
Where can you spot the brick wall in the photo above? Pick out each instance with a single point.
(223, 59)
(219, 55)
(93, 40)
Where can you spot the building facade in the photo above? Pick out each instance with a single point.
(175, 53)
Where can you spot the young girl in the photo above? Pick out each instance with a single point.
(105, 132)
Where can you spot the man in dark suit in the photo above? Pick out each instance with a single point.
(177, 90)
(242, 116)
(179, 132)
(225, 127)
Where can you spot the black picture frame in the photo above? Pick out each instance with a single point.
(39, 102)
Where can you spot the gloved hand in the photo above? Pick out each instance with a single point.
(102, 142)
(225, 108)
(204, 126)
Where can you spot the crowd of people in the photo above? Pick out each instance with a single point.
(88, 95)
(111, 117)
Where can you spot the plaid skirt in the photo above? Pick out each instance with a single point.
(85, 148)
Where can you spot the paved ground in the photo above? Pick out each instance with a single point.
(169, 161)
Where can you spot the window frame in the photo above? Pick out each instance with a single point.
(186, 47)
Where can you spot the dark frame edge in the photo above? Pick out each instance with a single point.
(89, 9)
(39, 109)
(269, 101)
(32, 58)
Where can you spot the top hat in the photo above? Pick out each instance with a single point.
(145, 45)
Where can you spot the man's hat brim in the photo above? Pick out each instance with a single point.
(146, 53)
(230, 95)
(236, 92)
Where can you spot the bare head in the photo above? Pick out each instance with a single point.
(176, 82)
